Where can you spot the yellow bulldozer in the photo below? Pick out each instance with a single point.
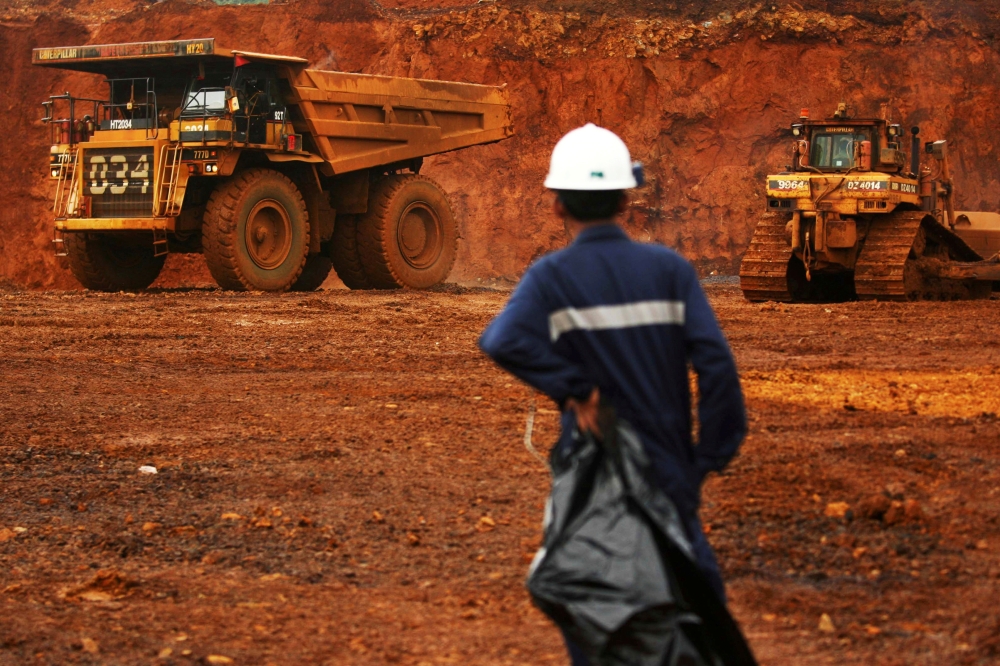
(852, 218)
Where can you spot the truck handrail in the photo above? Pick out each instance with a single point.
(69, 128)
(128, 110)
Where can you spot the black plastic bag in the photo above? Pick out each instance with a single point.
(616, 571)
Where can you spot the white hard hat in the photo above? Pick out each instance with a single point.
(590, 158)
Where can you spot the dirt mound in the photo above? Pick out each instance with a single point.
(106, 585)
(700, 91)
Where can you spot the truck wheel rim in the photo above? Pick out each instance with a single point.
(268, 234)
(419, 235)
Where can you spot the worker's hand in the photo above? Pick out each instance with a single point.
(586, 412)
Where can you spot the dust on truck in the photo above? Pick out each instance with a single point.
(852, 218)
(274, 171)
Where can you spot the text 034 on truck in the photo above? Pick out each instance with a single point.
(274, 171)
(852, 218)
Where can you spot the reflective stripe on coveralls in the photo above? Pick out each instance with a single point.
(602, 317)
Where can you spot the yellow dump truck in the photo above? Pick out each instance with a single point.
(274, 171)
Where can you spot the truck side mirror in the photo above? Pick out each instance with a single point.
(939, 149)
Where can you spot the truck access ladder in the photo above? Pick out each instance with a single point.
(66, 198)
(168, 204)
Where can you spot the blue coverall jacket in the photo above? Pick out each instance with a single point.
(627, 318)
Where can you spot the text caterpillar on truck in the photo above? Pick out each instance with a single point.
(274, 171)
(851, 217)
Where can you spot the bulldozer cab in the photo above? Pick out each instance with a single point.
(841, 145)
(835, 151)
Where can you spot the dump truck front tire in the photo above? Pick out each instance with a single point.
(345, 254)
(408, 237)
(113, 262)
(255, 232)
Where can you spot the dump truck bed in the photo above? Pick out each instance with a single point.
(358, 121)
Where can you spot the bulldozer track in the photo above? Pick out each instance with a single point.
(907, 256)
(879, 272)
(764, 269)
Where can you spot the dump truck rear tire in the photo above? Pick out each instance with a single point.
(408, 237)
(345, 255)
(113, 262)
(255, 232)
(314, 273)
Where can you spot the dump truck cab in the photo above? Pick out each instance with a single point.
(852, 217)
(187, 131)
(245, 106)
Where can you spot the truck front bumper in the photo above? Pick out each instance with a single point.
(116, 224)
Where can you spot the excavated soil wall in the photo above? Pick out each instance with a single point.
(703, 94)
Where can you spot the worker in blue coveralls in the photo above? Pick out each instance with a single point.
(611, 319)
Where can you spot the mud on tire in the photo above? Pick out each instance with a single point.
(255, 232)
(345, 255)
(113, 261)
(408, 237)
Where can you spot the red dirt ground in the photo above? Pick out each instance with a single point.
(341, 480)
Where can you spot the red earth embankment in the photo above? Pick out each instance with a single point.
(702, 93)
